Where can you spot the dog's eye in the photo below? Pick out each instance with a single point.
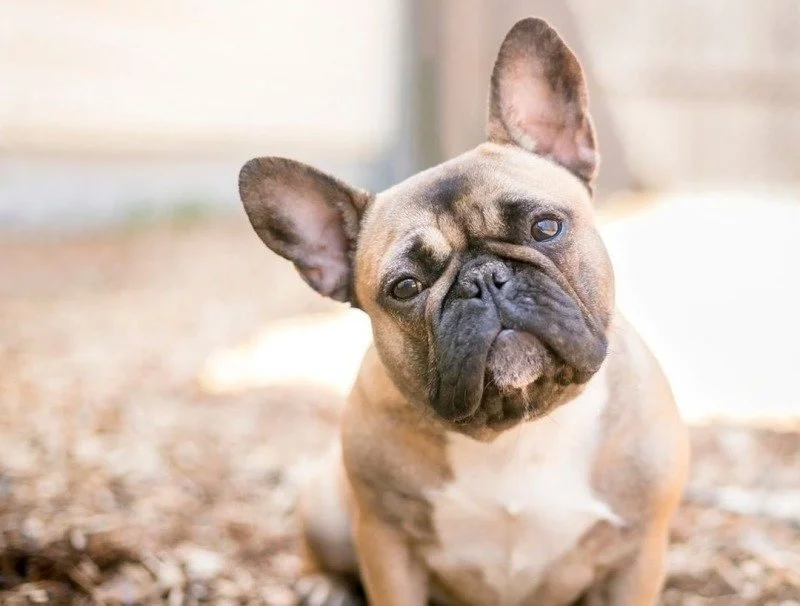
(545, 229)
(405, 288)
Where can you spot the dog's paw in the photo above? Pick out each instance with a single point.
(321, 590)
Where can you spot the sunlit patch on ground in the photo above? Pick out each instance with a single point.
(316, 349)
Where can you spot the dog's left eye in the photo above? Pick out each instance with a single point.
(405, 288)
(545, 229)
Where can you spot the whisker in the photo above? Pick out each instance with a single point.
(514, 446)
(562, 428)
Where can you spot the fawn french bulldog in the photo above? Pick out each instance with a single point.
(509, 440)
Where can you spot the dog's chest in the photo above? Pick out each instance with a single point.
(519, 503)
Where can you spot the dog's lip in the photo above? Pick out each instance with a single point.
(503, 424)
(502, 332)
(508, 345)
(468, 416)
(505, 332)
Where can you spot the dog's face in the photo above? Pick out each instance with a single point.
(487, 284)
(488, 287)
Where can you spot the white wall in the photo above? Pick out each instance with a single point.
(106, 105)
(88, 75)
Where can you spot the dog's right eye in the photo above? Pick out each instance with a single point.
(546, 229)
(406, 288)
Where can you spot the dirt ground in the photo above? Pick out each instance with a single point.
(124, 481)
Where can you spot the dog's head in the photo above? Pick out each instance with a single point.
(489, 289)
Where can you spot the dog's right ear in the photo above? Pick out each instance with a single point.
(307, 217)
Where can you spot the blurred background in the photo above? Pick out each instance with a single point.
(166, 383)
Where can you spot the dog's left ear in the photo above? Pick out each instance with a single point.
(538, 99)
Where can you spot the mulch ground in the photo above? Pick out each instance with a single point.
(122, 481)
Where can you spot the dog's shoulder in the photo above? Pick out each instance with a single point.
(643, 432)
(391, 452)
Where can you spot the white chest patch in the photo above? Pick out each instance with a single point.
(520, 502)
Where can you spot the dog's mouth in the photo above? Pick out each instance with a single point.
(516, 359)
(523, 379)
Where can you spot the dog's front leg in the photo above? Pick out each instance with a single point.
(391, 574)
(639, 582)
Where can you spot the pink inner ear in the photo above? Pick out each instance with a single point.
(536, 118)
(321, 251)
(545, 124)
(333, 258)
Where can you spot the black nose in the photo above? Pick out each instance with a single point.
(476, 276)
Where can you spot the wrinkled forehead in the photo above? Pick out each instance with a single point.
(476, 196)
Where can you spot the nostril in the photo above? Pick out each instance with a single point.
(499, 277)
(480, 278)
(470, 289)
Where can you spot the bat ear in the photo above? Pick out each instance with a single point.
(307, 217)
(538, 99)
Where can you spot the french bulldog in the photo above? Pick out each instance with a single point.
(509, 440)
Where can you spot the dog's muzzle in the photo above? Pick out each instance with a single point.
(515, 322)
